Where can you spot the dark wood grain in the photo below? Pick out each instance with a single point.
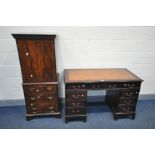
(37, 60)
(38, 67)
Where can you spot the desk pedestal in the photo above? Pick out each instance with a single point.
(121, 97)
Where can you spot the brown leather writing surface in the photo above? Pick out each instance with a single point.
(79, 75)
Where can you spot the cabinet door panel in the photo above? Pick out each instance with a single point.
(37, 59)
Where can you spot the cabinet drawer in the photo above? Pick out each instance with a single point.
(41, 107)
(129, 93)
(125, 109)
(41, 97)
(78, 95)
(76, 111)
(40, 88)
(128, 102)
(75, 103)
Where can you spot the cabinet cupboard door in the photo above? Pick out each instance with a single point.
(37, 58)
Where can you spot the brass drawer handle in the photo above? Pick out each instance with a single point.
(131, 85)
(112, 86)
(32, 104)
(34, 108)
(50, 107)
(83, 86)
(75, 104)
(26, 53)
(128, 102)
(73, 111)
(95, 86)
(31, 75)
(50, 97)
(33, 98)
(126, 109)
(49, 88)
(129, 93)
(31, 89)
(75, 96)
(76, 87)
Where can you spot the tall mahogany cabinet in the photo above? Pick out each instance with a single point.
(38, 67)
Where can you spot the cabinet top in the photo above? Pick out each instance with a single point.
(33, 36)
(97, 75)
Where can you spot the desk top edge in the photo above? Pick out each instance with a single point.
(66, 76)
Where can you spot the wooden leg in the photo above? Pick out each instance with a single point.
(58, 116)
(66, 120)
(115, 117)
(133, 116)
(28, 118)
(85, 119)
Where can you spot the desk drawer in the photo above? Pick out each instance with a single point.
(76, 111)
(76, 96)
(75, 104)
(76, 86)
(131, 85)
(129, 93)
(128, 102)
(125, 108)
(104, 85)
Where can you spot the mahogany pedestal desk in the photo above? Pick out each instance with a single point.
(122, 91)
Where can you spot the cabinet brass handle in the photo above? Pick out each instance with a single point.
(95, 86)
(128, 101)
(49, 88)
(32, 104)
(50, 97)
(131, 85)
(77, 104)
(51, 107)
(31, 89)
(33, 98)
(75, 96)
(26, 53)
(73, 111)
(126, 109)
(34, 108)
(129, 94)
(76, 87)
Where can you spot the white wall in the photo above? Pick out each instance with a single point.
(83, 47)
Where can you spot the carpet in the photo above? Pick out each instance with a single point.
(98, 117)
